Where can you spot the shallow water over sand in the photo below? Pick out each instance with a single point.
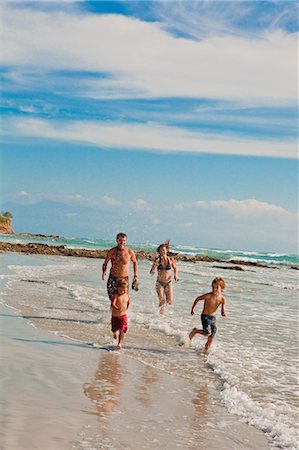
(67, 297)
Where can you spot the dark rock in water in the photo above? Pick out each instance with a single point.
(231, 268)
(54, 236)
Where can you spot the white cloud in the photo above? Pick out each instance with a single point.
(179, 206)
(149, 136)
(110, 201)
(186, 225)
(144, 60)
(248, 223)
(23, 197)
(249, 207)
(28, 198)
(73, 198)
(140, 204)
(22, 194)
(200, 19)
(156, 221)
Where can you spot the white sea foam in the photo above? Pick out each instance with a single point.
(251, 358)
(267, 418)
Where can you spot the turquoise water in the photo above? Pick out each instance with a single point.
(269, 258)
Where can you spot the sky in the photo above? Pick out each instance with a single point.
(166, 120)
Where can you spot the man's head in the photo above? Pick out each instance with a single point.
(121, 240)
(218, 281)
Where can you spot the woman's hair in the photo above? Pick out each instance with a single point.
(165, 244)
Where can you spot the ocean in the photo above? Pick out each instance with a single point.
(268, 258)
(252, 368)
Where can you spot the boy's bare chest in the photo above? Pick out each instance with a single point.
(212, 303)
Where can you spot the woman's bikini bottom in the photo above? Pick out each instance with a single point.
(164, 284)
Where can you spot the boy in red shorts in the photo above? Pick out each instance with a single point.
(119, 304)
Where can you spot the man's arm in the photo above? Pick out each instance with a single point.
(105, 263)
(223, 305)
(135, 263)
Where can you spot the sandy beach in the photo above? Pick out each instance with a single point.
(60, 393)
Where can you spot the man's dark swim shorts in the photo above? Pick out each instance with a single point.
(209, 323)
(112, 285)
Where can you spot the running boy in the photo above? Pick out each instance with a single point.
(212, 300)
(119, 304)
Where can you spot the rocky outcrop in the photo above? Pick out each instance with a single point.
(5, 227)
(230, 268)
(62, 250)
(54, 236)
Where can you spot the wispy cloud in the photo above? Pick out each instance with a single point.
(248, 207)
(145, 61)
(140, 204)
(28, 198)
(245, 207)
(148, 137)
(201, 19)
(110, 201)
(21, 194)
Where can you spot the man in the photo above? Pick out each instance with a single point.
(120, 257)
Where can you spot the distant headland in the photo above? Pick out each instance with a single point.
(6, 227)
(5, 223)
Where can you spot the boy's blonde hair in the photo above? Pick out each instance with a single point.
(122, 283)
(220, 281)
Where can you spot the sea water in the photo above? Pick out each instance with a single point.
(269, 258)
(253, 364)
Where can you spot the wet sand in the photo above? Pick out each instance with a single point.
(62, 394)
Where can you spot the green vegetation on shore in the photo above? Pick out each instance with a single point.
(5, 216)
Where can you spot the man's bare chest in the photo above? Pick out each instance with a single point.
(120, 257)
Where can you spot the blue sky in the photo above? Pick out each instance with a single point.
(164, 119)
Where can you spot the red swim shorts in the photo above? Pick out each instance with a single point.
(119, 323)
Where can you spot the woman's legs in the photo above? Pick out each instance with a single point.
(160, 291)
(165, 295)
(169, 293)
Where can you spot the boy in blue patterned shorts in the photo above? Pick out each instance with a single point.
(212, 300)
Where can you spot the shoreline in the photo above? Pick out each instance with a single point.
(62, 250)
(87, 389)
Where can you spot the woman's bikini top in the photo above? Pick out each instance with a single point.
(161, 267)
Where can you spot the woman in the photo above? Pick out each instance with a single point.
(164, 264)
